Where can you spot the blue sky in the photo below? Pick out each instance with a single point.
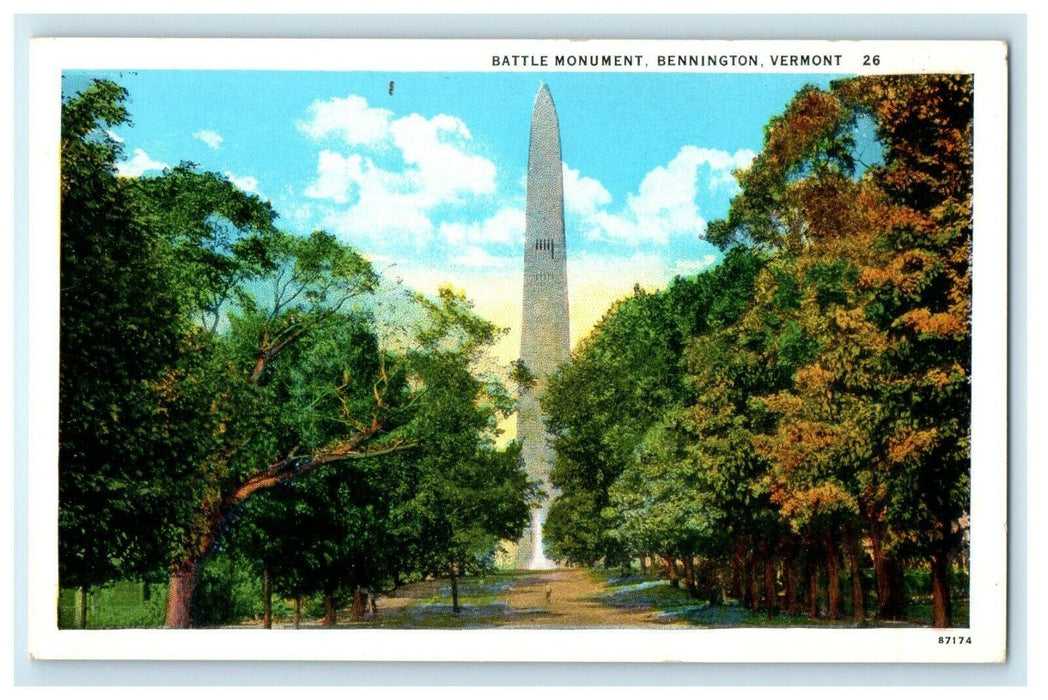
(428, 181)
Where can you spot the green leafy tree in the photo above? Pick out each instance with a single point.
(727, 366)
(462, 494)
(597, 409)
(321, 534)
(626, 377)
(660, 503)
(250, 300)
(290, 386)
(122, 323)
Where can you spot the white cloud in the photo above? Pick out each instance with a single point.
(113, 136)
(583, 195)
(664, 204)
(211, 138)
(383, 177)
(246, 182)
(440, 167)
(139, 163)
(506, 226)
(349, 118)
(390, 220)
(336, 175)
(475, 256)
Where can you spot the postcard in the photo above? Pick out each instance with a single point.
(514, 350)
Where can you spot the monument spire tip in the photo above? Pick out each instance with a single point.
(543, 95)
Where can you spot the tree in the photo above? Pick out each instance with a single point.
(825, 472)
(282, 392)
(463, 494)
(122, 323)
(625, 378)
(728, 366)
(248, 298)
(325, 533)
(255, 365)
(876, 414)
(922, 297)
(660, 504)
(597, 409)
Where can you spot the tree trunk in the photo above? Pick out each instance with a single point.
(747, 582)
(891, 602)
(689, 577)
(891, 599)
(147, 593)
(710, 582)
(186, 574)
(360, 603)
(880, 572)
(942, 610)
(789, 570)
(671, 570)
(756, 583)
(813, 592)
(181, 587)
(267, 600)
(81, 607)
(454, 592)
(329, 608)
(833, 582)
(854, 559)
(897, 599)
(770, 601)
(736, 573)
(298, 611)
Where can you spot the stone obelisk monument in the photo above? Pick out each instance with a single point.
(544, 340)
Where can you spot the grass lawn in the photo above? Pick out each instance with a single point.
(125, 604)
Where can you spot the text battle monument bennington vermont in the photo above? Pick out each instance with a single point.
(544, 343)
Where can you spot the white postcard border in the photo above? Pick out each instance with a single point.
(986, 60)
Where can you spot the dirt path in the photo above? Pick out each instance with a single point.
(564, 598)
(561, 598)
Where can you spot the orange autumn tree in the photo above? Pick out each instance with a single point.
(869, 443)
(922, 297)
(824, 471)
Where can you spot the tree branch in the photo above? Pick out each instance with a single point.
(290, 467)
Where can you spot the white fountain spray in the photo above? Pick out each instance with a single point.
(538, 562)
